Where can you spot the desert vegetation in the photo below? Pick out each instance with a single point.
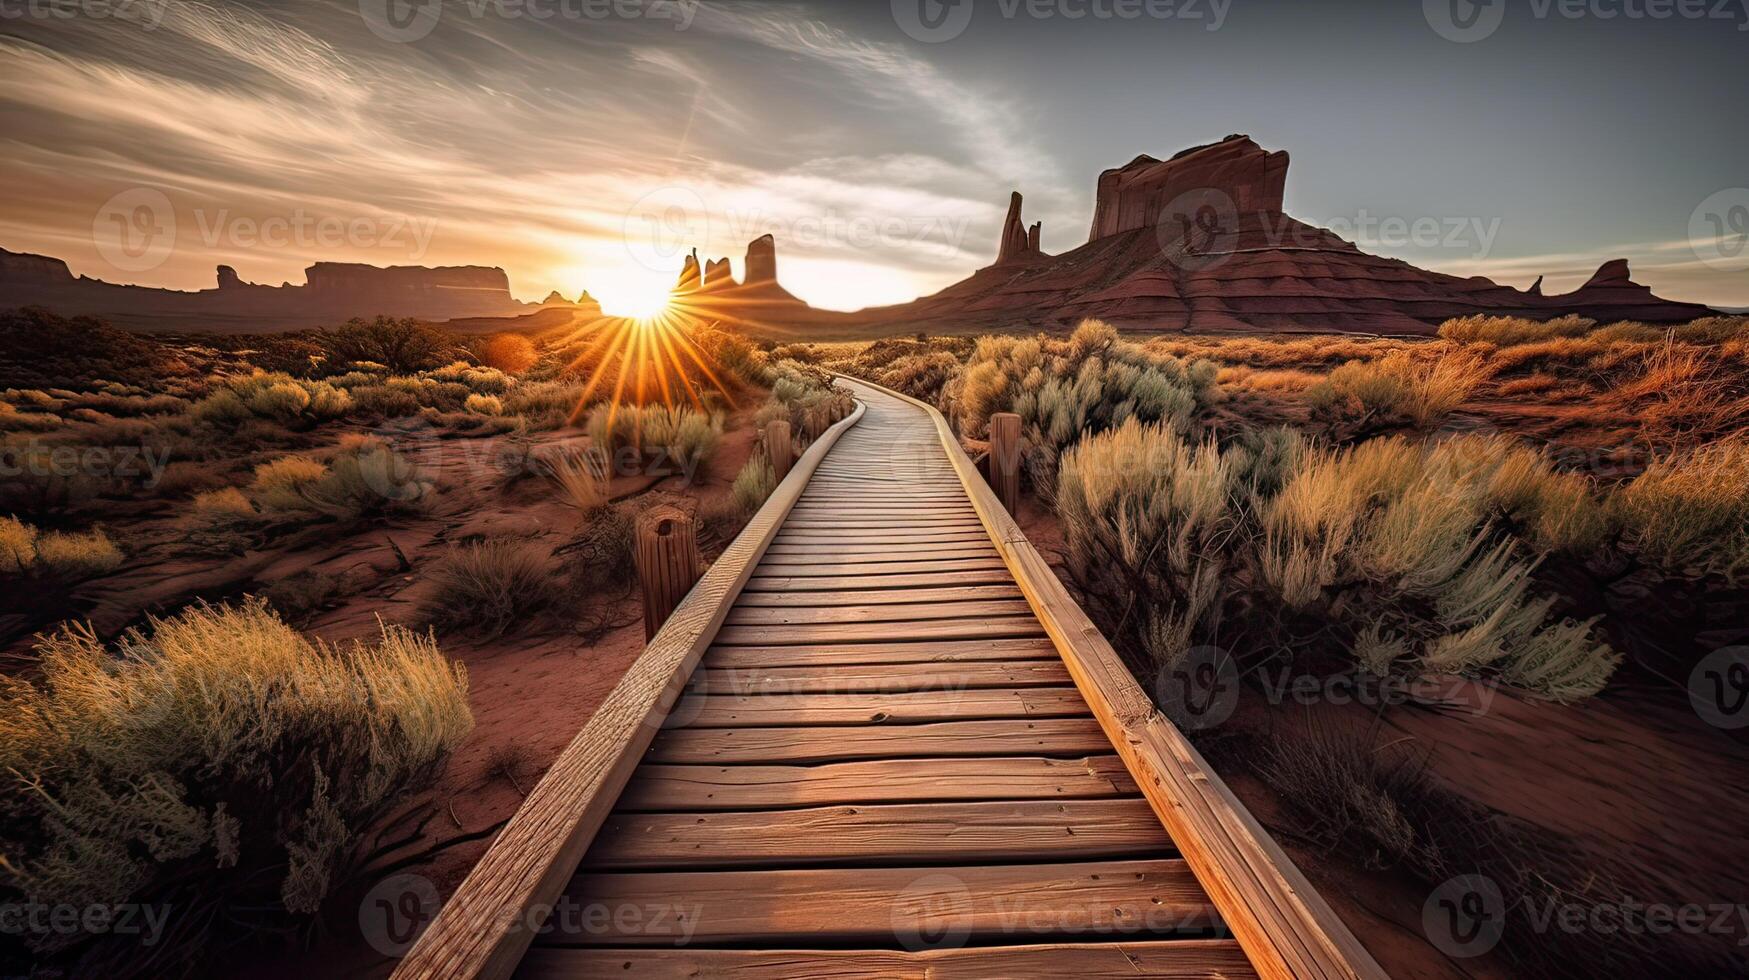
(1555, 510)
(233, 562)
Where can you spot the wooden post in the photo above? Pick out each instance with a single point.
(666, 552)
(1004, 474)
(779, 447)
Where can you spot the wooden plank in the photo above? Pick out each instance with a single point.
(776, 710)
(1179, 959)
(660, 788)
(1069, 737)
(875, 613)
(827, 552)
(881, 653)
(480, 932)
(935, 833)
(805, 569)
(879, 679)
(890, 906)
(855, 597)
(890, 536)
(935, 629)
(804, 585)
(1288, 930)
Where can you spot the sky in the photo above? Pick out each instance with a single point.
(589, 144)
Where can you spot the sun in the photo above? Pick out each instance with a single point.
(637, 299)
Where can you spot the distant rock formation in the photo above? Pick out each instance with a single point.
(334, 292)
(690, 275)
(555, 298)
(22, 268)
(1234, 175)
(761, 261)
(1199, 242)
(717, 274)
(1536, 288)
(1032, 236)
(587, 305)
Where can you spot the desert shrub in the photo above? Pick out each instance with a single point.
(1398, 541)
(922, 376)
(753, 484)
(489, 586)
(600, 556)
(1066, 388)
(1628, 331)
(1508, 331)
(401, 345)
(229, 503)
(511, 353)
(217, 763)
(1396, 389)
(293, 354)
(1690, 512)
(366, 477)
(1681, 395)
(579, 477)
(484, 405)
(1713, 330)
(657, 437)
(17, 546)
(297, 597)
(39, 350)
(278, 398)
(66, 556)
(385, 401)
(544, 404)
(1397, 555)
(281, 484)
(1351, 797)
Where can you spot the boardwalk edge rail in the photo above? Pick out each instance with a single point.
(1283, 925)
(487, 925)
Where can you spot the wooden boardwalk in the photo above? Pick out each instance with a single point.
(884, 765)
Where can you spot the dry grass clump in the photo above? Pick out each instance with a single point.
(579, 478)
(511, 353)
(752, 485)
(600, 556)
(1407, 558)
(1398, 541)
(275, 397)
(656, 438)
(1690, 512)
(366, 477)
(216, 762)
(56, 554)
(1681, 395)
(1398, 388)
(922, 376)
(489, 586)
(1508, 331)
(282, 484)
(484, 405)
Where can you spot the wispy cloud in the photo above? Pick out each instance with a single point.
(526, 141)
